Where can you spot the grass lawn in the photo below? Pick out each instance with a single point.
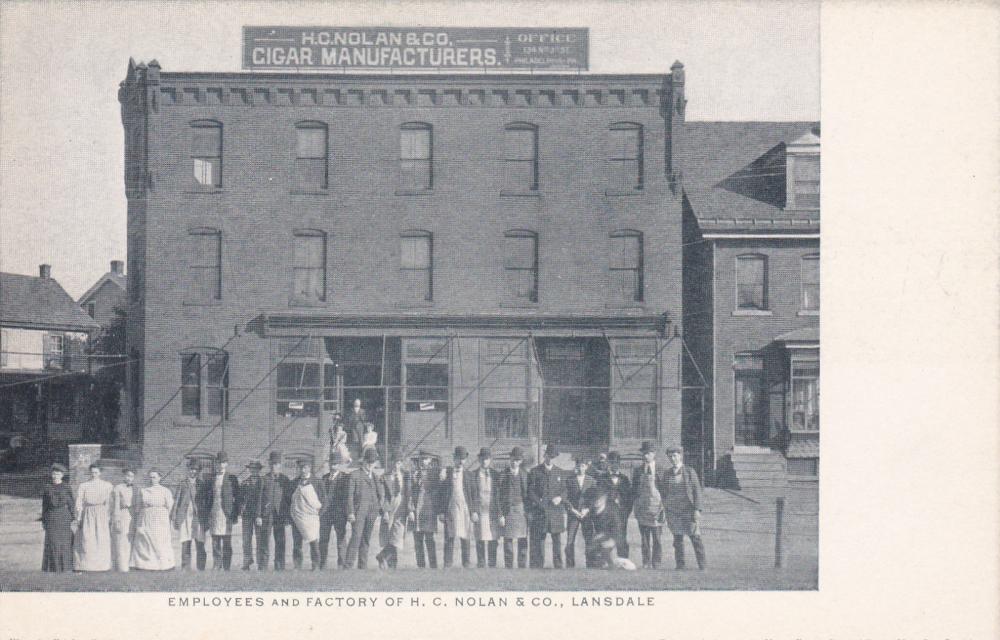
(738, 535)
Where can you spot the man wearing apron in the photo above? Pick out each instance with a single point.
(648, 488)
(457, 517)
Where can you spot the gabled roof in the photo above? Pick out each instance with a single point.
(112, 277)
(40, 303)
(733, 174)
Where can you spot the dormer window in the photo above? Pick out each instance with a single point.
(803, 169)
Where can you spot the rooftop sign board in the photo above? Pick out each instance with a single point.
(326, 48)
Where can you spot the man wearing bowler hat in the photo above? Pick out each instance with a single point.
(682, 502)
(647, 505)
(273, 512)
(616, 484)
(365, 502)
(333, 517)
(513, 521)
(250, 496)
(579, 499)
(217, 507)
(546, 493)
(424, 508)
(186, 520)
(456, 496)
(485, 509)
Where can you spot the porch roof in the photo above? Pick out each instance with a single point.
(799, 336)
(377, 324)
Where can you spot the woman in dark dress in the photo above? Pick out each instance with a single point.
(57, 515)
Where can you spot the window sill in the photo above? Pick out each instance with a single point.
(615, 193)
(207, 303)
(193, 423)
(808, 312)
(625, 305)
(426, 304)
(310, 192)
(414, 192)
(804, 432)
(203, 191)
(298, 302)
(520, 194)
(753, 312)
(511, 304)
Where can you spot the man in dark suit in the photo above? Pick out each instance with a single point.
(186, 520)
(392, 530)
(546, 493)
(682, 501)
(616, 484)
(250, 496)
(365, 502)
(513, 501)
(647, 505)
(217, 508)
(424, 508)
(579, 498)
(273, 512)
(333, 518)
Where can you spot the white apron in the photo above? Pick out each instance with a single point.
(305, 511)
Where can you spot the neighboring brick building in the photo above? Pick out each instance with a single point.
(43, 367)
(751, 281)
(107, 295)
(482, 259)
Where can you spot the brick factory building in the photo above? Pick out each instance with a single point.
(482, 260)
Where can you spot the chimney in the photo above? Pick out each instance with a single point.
(674, 113)
(117, 267)
(45, 271)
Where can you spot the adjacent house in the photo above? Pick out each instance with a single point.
(107, 295)
(43, 369)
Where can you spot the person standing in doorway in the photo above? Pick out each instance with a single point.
(218, 511)
(424, 509)
(485, 507)
(546, 492)
(365, 498)
(92, 543)
(648, 489)
(58, 516)
(456, 496)
(186, 520)
(124, 502)
(356, 420)
(682, 499)
(513, 521)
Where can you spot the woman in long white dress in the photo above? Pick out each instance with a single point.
(92, 543)
(152, 548)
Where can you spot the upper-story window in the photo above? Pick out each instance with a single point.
(416, 265)
(311, 156)
(810, 283)
(520, 153)
(751, 283)
(802, 167)
(205, 282)
(626, 266)
(625, 159)
(309, 269)
(416, 158)
(520, 266)
(206, 152)
(92, 309)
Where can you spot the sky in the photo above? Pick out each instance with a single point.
(62, 197)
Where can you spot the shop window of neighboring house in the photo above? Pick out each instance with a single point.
(311, 154)
(626, 267)
(520, 266)
(810, 283)
(309, 269)
(805, 396)
(504, 422)
(206, 153)
(417, 266)
(426, 387)
(206, 265)
(751, 283)
(205, 384)
(416, 157)
(520, 153)
(625, 170)
(750, 396)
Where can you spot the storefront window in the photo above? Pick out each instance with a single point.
(805, 397)
(426, 387)
(504, 422)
